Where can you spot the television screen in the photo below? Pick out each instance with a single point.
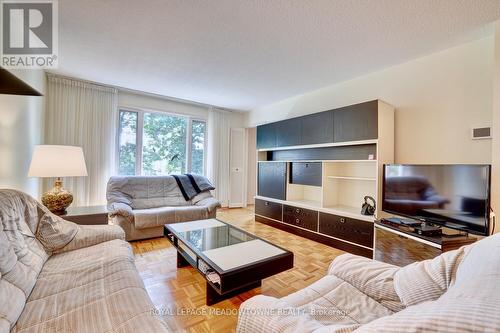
(454, 196)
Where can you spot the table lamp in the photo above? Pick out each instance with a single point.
(57, 161)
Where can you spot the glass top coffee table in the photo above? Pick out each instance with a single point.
(231, 260)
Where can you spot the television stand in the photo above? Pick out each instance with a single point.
(460, 234)
(401, 245)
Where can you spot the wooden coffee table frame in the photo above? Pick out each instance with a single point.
(236, 280)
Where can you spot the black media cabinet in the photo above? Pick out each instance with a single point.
(313, 172)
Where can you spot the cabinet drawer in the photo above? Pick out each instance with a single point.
(269, 209)
(352, 230)
(300, 217)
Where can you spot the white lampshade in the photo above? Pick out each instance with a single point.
(57, 161)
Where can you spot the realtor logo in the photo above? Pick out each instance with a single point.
(29, 34)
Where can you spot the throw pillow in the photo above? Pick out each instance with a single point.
(54, 232)
(427, 280)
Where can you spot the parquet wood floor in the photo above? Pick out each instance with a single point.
(178, 292)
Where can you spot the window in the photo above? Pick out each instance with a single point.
(127, 149)
(163, 144)
(198, 130)
(157, 143)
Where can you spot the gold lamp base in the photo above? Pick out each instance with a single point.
(57, 199)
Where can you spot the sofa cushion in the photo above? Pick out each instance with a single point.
(144, 192)
(54, 232)
(478, 274)
(89, 235)
(93, 289)
(201, 196)
(153, 217)
(22, 256)
(268, 314)
(9, 311)
(332, 300)
(429, 279)
(7, 256)
(210, 203)
(446, 315)
(373, 278)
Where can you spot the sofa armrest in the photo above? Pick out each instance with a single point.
(210, 203)
(373, 278)
(264, 314)
(89, 235)
(120, 209)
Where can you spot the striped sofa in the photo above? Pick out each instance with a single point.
(56, 276)
(457, 291)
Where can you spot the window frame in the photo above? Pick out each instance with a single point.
(139, 137)
(205, 143)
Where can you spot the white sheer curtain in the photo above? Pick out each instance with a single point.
(83, 114)
(219, 125)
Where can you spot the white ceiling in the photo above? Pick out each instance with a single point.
(243, 54)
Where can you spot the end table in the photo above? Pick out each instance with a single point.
(87, 215)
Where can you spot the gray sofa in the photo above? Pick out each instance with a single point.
(57, 276)
(141, 205)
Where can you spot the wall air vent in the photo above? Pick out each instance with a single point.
(479, 133)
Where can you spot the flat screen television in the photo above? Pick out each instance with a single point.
(455, 196)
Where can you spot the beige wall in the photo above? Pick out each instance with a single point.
(21, 128)
(438, 98)
(495, 160)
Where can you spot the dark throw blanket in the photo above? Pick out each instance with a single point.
(191, 185)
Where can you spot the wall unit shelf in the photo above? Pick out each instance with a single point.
(333, 144)
(308, 204)
(352, 212)
(314, 172)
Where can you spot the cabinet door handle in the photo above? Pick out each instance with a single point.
(297, 221)
(267, 203)
(342, 220)
(297, 211)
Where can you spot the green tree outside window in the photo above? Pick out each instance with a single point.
(164, 144)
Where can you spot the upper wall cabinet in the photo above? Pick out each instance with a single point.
(288, 132)
(356, 122)
(317, 128)
(266, 136)
(352, 123)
